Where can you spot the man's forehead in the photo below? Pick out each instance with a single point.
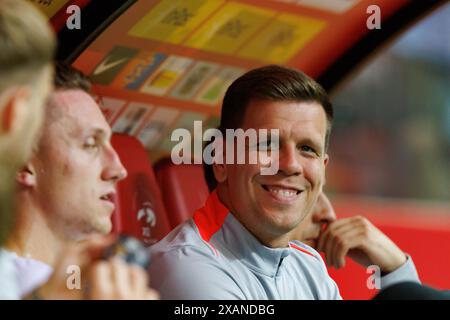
(301, 122)
(70, 97)
(284, 115)
(79, 108)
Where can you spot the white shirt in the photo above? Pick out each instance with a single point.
(9, 285)
(29, 273)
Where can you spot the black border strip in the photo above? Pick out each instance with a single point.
(95, 18)
(374, 40)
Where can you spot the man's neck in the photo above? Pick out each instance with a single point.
(32, 236)
(276, 241)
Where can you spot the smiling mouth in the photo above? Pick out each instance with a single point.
(282, 193)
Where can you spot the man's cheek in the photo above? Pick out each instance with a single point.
(315, 173)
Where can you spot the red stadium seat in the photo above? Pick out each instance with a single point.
(183, 188)
(140, 211)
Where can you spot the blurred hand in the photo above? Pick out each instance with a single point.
(358, 238)
(116, 280)
(100, 279)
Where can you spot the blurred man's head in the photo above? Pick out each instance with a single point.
(72, 175)
(26, 50)
(309, 229)
(273, 97)
(27, 45)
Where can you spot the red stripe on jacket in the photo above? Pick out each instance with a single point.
(210, 218)
(293, 245)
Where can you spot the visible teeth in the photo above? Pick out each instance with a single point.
(282, 192)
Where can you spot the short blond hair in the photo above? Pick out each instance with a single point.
(27, 46)
(27, 43)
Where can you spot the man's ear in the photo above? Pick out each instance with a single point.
(220, 172)
(13, 111)
(326, 158)
(27, 176)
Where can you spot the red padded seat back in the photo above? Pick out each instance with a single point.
(140, 210)
(183, 188)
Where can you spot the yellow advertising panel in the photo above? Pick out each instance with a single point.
(173, 20)
(49, 7)
(230, 28)
(282, 38)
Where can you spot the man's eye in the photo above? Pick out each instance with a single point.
(91, 142)
(308, 149)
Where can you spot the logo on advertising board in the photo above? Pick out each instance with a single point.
(170, 71)
(141, 68)
(112, 64)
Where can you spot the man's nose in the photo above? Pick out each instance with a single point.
(289, 161)
(114, 169)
